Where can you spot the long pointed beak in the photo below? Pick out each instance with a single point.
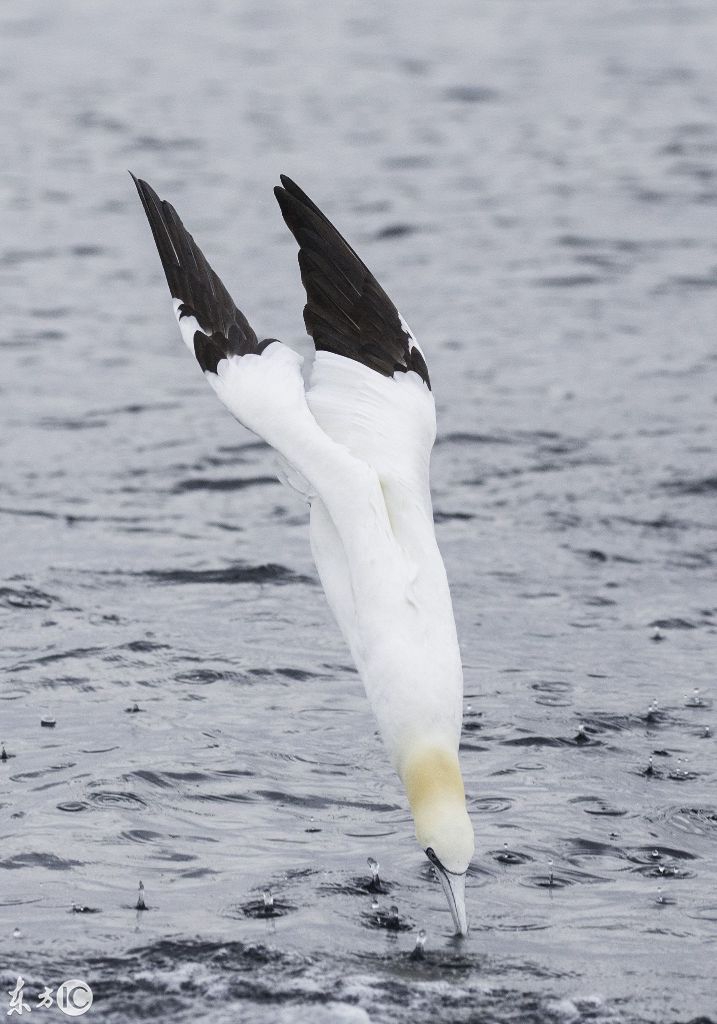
(454, 886)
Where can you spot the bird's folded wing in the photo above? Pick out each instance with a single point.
(370, 388)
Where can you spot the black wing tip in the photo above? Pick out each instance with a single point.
(289, 194)
(145, 190)
(225, 331)
(347, 310)
(288, 183)
(290, 188)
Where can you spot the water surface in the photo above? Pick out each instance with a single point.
(534, 183)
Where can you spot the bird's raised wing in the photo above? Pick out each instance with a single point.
(260, 382)
(347, 311)
(211, 325)
(370, 388)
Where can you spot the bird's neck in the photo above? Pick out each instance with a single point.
(432, 778)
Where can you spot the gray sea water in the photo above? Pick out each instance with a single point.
(535, 184)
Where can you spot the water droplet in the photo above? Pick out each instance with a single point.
(140, 905)
(418, 950)
(581, 735)
(375, 884)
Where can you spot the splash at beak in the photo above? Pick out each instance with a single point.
(454, 886)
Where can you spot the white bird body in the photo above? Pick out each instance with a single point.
(357, 445)
(396, 616)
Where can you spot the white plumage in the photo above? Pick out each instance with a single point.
(357, 444)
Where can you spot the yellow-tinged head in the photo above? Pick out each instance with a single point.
(434, 785)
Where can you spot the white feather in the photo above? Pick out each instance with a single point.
(188, 325)
(363, 448)
(390, 423)
(412, 343)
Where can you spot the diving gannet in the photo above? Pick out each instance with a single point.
(357, 446)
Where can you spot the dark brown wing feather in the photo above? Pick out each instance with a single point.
(347, 311)
(224, 328)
